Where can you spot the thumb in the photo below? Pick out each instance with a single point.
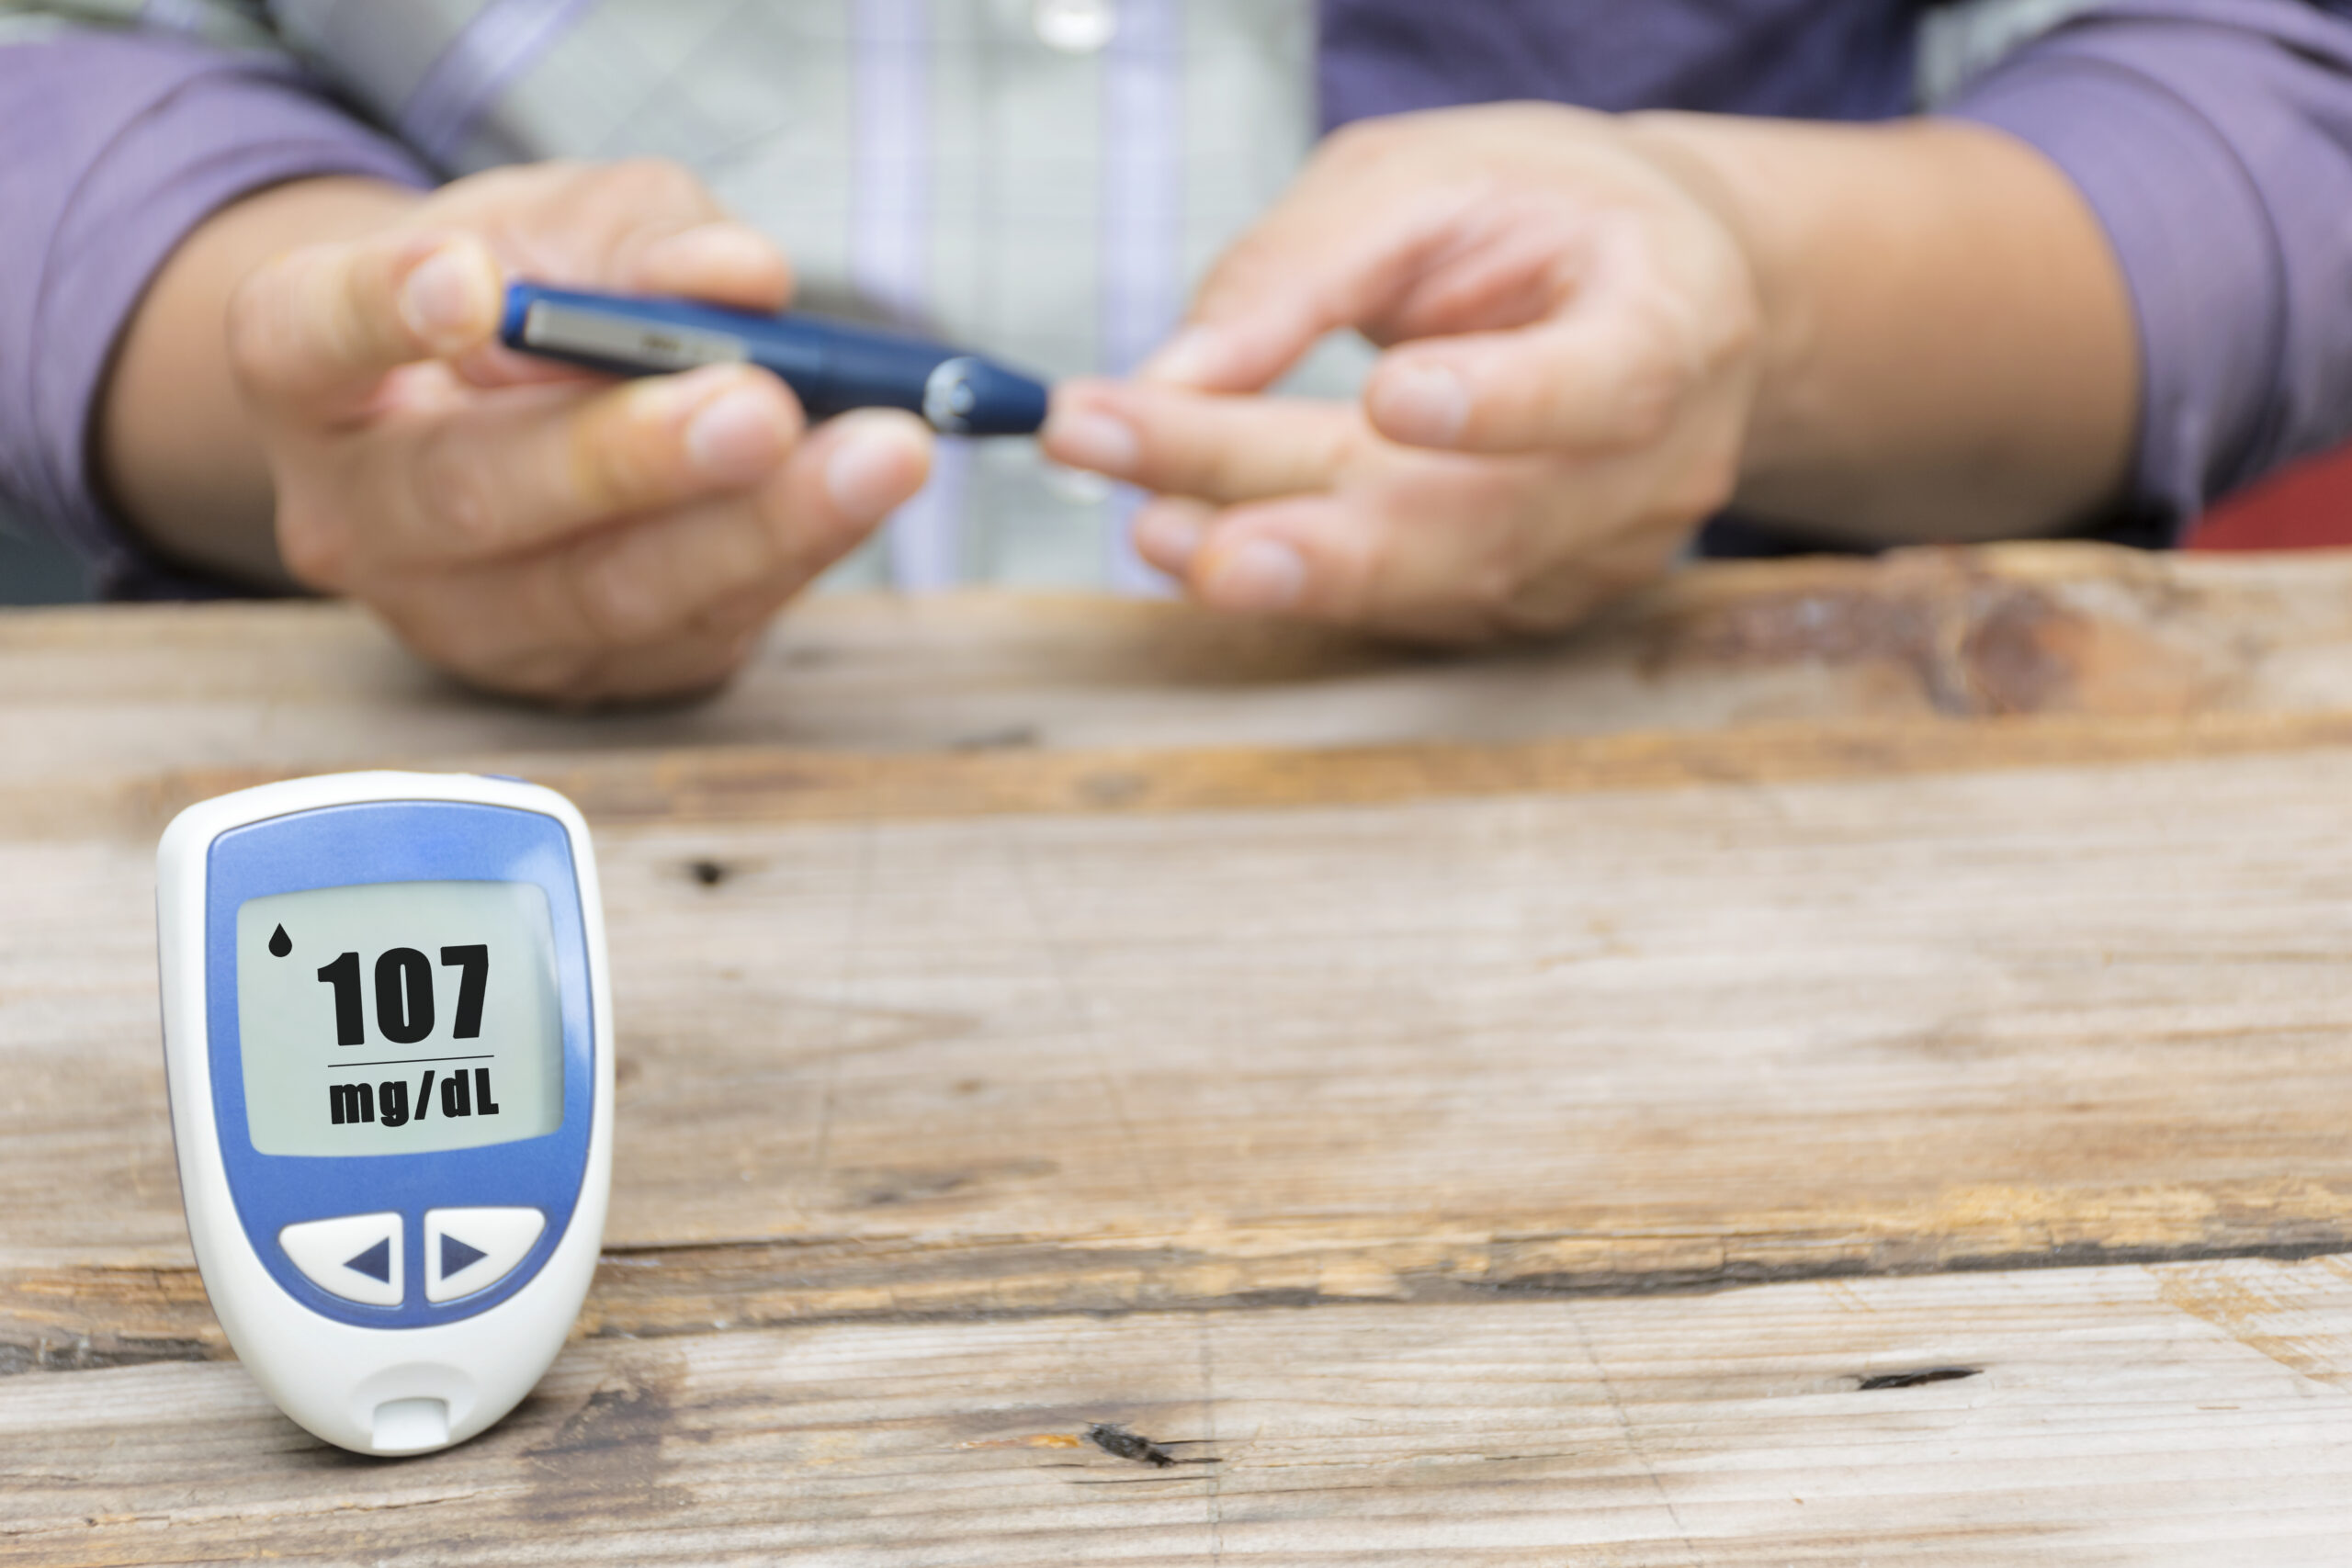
(311, 333)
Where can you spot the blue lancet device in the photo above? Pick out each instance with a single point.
(831, 365)
(388, 1037)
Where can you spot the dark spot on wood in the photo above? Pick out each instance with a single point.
(1120, 1443)
(1010, 737)
(2018, 654)
(710, 872)
(912, 1186)
(879, 1189)
(1978, 644)
(969, 1086)
(1914, 1379)
(606, 1456)
(1112, 789)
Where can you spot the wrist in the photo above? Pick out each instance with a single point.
(1946, 348)
(173, 450)
(1717, 167)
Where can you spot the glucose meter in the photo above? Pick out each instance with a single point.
(389, 1041)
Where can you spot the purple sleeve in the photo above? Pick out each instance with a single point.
(2213, 140)
(121, 144)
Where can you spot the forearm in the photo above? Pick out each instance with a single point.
(1946, 348)
(176, 449)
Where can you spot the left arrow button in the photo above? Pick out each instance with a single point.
(357, 1256)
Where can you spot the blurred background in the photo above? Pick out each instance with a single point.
(34, 569)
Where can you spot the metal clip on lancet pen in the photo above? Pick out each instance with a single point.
(829, 366)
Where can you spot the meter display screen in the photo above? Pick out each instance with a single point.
(399, 1018)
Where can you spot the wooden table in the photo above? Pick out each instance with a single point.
(1838, 1063)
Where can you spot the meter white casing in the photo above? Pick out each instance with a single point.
(426, 1360)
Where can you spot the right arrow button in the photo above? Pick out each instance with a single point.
(457, 1257)
(467, 1250)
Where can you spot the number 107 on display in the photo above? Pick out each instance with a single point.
(404, 1015)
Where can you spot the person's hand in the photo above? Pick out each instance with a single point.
(1574, 326)
(529, 528)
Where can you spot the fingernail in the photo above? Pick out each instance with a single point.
(1169, 538)
(871, 473)
(1423, 404)
(1263, 574)
(1193, 357)
(442, 299)
(734, 439)
(1088, 439)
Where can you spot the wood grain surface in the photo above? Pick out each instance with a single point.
(2183, 1414)
(1609, 1040)
(1020, 1000)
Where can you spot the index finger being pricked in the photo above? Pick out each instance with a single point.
(312, 332)
(1342, 248)
(1206, 445)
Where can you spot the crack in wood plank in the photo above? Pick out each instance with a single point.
(657, 1293)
